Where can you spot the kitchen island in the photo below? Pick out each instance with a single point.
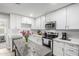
(32, 49)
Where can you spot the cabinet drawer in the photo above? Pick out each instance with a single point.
(70, 55)
(71, 46)
(58, 43)
(58, 51)
(71, 52)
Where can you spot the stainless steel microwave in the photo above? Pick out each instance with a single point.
(50, 25)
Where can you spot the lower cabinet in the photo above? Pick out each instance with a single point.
(65, 49)
(71, 49)
(58, 48)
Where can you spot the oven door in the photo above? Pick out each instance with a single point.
(46, 42)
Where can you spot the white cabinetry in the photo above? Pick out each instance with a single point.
(50, 17)
(71, 50)
(66, 18)
(27, 23)
(64, 48)
(33, 24)
(58, 48)
(38, 23)
(60, 17)
(73, 16)
(42, 22)
(16, 21)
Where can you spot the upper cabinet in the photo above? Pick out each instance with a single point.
(19, 22)
(39, 23)
(27, 20)
(49, 17)
(66, 18)
(60, 18)
(73, 16)
(33, 24)
(42, 22)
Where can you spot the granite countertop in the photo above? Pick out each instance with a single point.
(37, 35)
(32, 49)
(66, 41)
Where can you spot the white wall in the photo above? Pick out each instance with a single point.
(4, 19)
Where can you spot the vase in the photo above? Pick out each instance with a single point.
(26, 39)
(26, 44)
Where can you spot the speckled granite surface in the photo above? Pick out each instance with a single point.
(32, 49)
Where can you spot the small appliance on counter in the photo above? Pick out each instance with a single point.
(64, 36)
(39, 32)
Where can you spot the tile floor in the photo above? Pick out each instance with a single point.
(4, 51)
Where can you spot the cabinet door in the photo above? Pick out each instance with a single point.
(42, 22)
(60, 17)
(49, 17)
(38, 23)
(70, 50)
(73, 16)
(58, 51)
(33, 24)
(58, 48)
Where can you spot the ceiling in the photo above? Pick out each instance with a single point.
(30, 9)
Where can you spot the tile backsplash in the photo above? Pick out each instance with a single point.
(71, 33)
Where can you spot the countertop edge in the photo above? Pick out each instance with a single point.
(65, 41)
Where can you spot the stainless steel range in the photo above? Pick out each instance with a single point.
(48, 37)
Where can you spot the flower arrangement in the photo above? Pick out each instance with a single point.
(25, 34)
